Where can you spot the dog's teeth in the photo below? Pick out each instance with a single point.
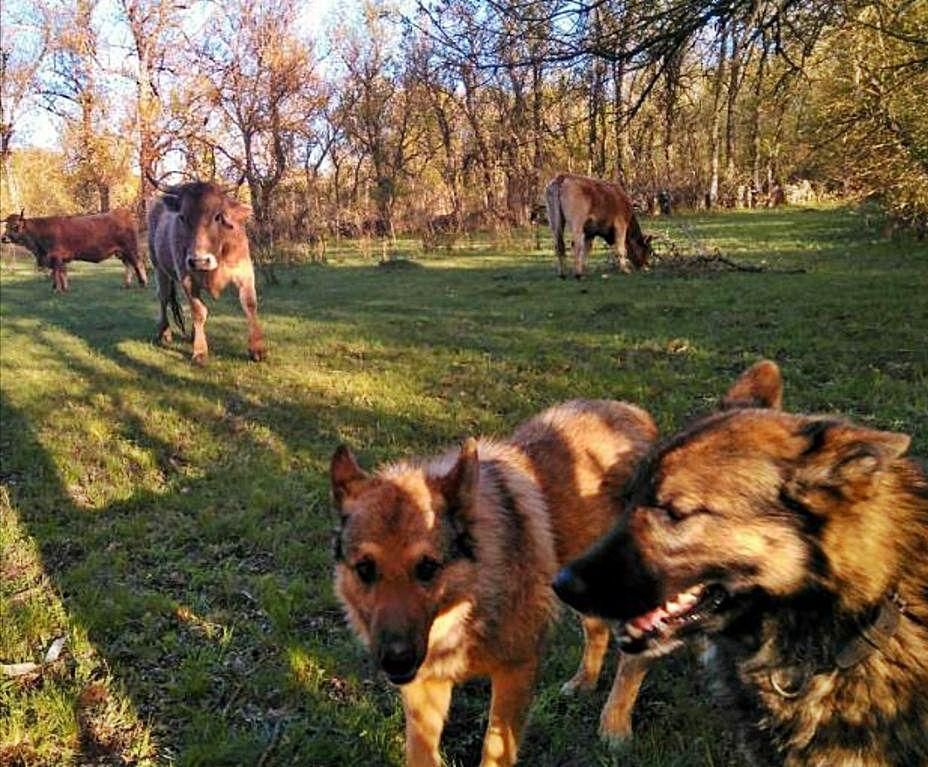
(687, 599)
(672, 607)
(625, 639)
(633, 631)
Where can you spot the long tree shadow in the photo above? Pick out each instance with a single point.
(182, 514)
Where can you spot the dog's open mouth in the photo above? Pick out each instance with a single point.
(680, 614)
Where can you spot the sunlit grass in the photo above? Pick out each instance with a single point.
(173, 522)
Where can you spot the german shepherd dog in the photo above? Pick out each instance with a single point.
(797, 546)
(444, 565)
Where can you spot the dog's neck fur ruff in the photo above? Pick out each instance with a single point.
(871, 634)
(817, 682)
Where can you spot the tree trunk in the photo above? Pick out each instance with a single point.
(734, 83)
(715, 132)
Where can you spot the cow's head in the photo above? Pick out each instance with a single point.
(14, 229)
(640, 250)
(213, 221)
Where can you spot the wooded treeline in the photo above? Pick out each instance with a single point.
(456, 113)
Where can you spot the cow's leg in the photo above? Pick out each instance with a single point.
(621, 252)
(138, 266)
(63, 274)
(59, 280)
(127, 274)
(164, 283)
(561, 253)
(199, 312)
(578, 246)
(249, 300)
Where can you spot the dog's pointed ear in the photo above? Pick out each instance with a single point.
(459, 486)
(761, 386)
(345, 474)
(848, 458)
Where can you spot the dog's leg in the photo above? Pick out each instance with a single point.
(425, 703)
(595, 643)
(512, 694)
(615, 722)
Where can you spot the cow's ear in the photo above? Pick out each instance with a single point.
(761, 385)
(239, 212)
(171, 202)
(345, 475)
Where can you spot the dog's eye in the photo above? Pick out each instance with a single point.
(426, 569)
(366, 570)
(670, 514)
(218, 218)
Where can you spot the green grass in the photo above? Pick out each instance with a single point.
(173, 522)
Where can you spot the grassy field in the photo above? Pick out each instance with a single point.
(173, 523)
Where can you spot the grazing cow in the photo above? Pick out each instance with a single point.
(588, 208)
(57, 240)
(197, 239)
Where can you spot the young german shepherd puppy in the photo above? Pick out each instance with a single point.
(444, 566)
(798, 546)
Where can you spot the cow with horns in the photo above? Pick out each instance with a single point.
(197, 240)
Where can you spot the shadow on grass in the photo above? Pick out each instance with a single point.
(182, 514)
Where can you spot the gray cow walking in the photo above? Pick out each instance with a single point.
(197, 239)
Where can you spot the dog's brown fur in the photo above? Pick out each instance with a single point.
(817, 530)
(444, 565)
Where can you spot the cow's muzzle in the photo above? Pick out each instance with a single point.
(202, 262)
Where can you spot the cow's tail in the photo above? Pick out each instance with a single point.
(556, 215)
(176, 309)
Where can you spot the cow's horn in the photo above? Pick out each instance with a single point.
(155, 183)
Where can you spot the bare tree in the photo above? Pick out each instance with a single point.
(24, 47)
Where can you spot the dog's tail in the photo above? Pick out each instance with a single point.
(556, 214)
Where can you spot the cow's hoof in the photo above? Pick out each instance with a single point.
(562, 276)
(578, 276)
(257, 355)
(199, 360)
(164, 339)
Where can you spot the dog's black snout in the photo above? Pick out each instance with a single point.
(571, 588)
(399, 660)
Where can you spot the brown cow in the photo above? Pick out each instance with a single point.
(196, 236)
(57, 240)
(589, 208)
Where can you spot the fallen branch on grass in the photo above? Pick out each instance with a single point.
(702, 260)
